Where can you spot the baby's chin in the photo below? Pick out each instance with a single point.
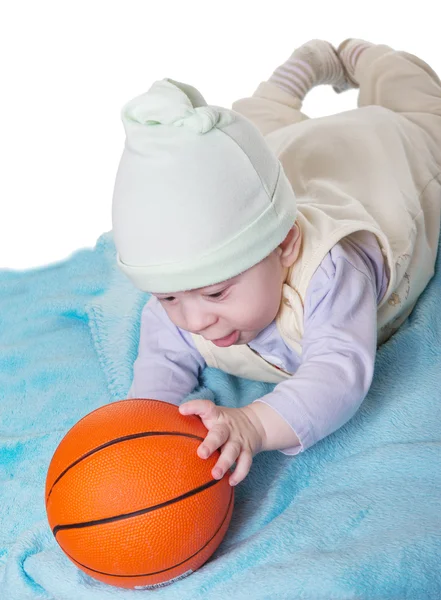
(246, 337)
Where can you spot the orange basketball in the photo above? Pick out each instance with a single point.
(128, 499)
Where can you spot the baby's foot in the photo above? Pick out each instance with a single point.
(349, 52)
(314, 63)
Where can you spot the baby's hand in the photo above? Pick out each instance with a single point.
(237, 430)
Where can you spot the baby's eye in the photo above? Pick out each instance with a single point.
(167, 299)
(216, 295)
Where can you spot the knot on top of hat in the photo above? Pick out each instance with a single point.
(166, 104)
(201, 119)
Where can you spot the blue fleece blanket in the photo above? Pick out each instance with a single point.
(356, 516)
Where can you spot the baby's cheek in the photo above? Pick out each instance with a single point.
(262, 309)
(175, 315)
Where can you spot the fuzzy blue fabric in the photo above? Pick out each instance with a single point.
(357, 516)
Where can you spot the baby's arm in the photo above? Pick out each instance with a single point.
(339, 348)
(168, 364)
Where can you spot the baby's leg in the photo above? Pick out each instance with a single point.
(313, 63)
(396, 80)
(278, 101)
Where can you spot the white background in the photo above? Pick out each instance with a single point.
(67, 68)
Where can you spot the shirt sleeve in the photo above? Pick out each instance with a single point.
(168, 364)
(338, 348)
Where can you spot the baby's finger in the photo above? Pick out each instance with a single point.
(203, 408)
(215, 438)
(229, 454)
(243, 467)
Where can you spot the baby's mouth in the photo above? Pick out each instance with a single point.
(228, 340)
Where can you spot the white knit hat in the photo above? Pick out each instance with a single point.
(199, 196)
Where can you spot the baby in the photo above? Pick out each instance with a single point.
(276, 247)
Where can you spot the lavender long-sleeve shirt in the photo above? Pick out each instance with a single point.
(333, 374)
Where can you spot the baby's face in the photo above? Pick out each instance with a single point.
(234, 311)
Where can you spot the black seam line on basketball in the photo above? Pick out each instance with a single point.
(135, 513)
(117, 441)
(168, 568)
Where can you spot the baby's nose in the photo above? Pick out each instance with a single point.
(197, 321)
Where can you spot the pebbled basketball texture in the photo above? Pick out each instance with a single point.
(128, 499)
